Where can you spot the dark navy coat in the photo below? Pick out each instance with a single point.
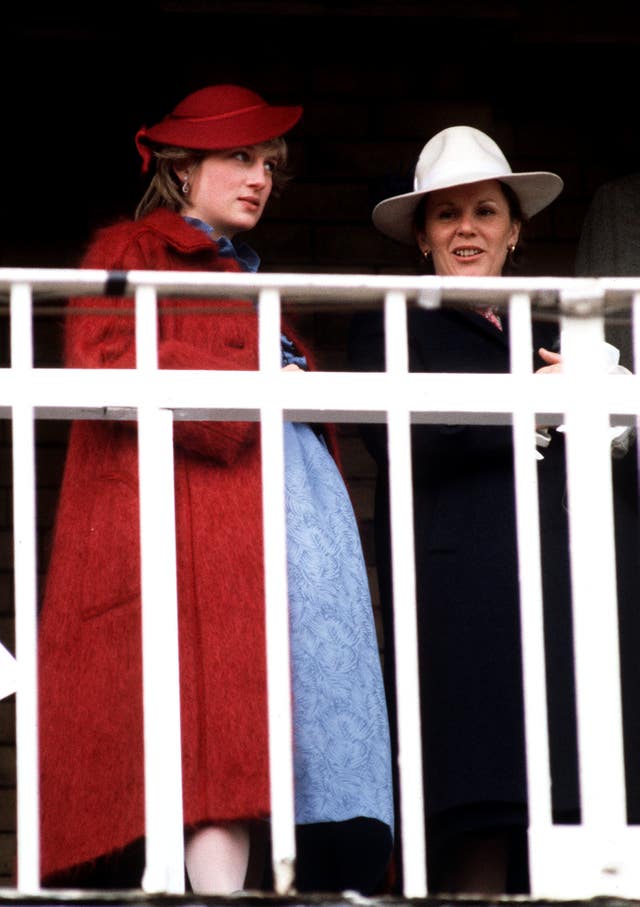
(467, 585)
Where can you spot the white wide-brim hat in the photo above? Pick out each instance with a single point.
(454, 157)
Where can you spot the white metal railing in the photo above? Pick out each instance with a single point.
(598, 857)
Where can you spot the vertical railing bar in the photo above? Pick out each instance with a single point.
(593, 577)
(276, 600)
(530, 583)
(164, 869)
(404, 608)
(26, 609)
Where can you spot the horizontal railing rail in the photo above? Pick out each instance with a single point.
(597, 857)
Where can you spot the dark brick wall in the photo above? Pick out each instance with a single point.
(376, 80)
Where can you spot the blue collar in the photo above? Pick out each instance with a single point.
(242, 252)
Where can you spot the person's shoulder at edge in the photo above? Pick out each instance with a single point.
(619, 183)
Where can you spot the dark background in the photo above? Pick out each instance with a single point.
(556, 84)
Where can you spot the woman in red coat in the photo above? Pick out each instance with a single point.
(216, 159)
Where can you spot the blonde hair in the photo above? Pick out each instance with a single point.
(164, 190)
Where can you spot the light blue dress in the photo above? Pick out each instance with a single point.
(342, 750)
(342, 756)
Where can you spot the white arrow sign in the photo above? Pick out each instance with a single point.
(8, 673)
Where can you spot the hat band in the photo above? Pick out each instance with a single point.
(217, 116)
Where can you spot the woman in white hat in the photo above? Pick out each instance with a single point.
(465, 216)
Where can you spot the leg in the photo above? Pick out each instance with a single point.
(477, 864)
(216, 857)
(338, 856)
(259, 857)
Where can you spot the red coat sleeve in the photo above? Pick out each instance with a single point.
(100, 333)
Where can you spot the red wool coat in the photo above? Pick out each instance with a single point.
(92, 784)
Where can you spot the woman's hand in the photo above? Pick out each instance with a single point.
(553, 360)
(554, 364)
(292, 367)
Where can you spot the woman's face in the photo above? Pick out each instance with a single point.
(229, 189)
(468, 230)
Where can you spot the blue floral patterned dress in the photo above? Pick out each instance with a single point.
(342, 751)
(342, 755)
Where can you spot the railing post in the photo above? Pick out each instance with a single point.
(276, 600)
(404, 602)
(26, 609)
(164, 870)
(593, 577)
(530, 586)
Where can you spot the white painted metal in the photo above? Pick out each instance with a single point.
(25, 586)
(340, 396)
(404, 598)
(164, 867)
(594, 598)
(276, 595)
(593, 575)
(335, 289)
(596, 858)
(532, 619)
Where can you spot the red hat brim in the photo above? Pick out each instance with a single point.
(247, 127)
(216, 118)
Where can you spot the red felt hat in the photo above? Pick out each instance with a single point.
(218, 117)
